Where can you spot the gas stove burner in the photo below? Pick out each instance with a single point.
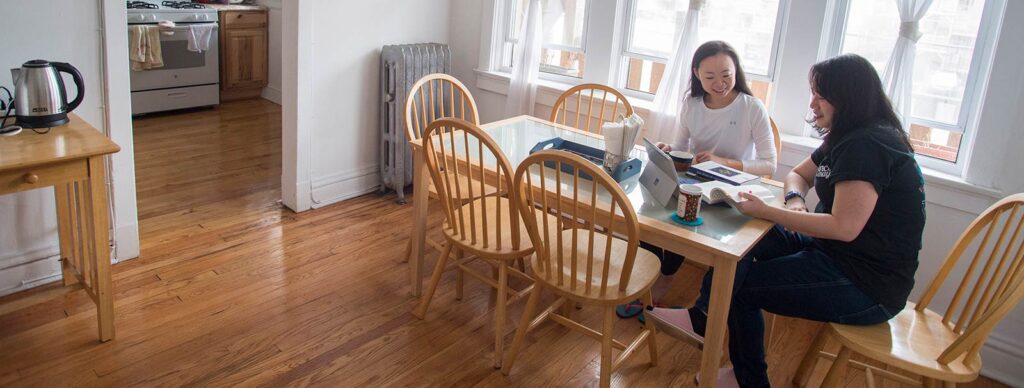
(141, 5)
(182, 5)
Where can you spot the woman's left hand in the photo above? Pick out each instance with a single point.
(752, 206)
(704, 156)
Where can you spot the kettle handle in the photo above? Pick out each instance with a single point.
(79, 83)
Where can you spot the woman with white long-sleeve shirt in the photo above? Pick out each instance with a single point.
(720, 120)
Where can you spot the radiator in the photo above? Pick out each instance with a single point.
(401, 67)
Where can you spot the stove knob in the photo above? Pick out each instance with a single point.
(195, 17)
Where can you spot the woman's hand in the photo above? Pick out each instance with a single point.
(752, 205)
(704, 156)
(664, 147)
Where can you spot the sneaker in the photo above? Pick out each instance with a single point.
(726, 378)
(676, 323)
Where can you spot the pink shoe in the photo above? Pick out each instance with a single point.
(726, 378)
(676, 323)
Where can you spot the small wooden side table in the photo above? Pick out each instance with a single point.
(70, 158)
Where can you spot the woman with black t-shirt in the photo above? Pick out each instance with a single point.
(853, 260)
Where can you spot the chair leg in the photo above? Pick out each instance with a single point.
(803, 372)
(499, 314)
(408, 250)
(948, 384)
(652, 343)
(606, 346)
(769, 329)
(421, 311)
(524, 326)
(834, 376)
(460, 275)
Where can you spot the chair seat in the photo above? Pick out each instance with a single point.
(476, 217)
(465, 185)
(911, 341)
(646, 268)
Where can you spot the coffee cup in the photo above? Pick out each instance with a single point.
(682, 160)
(689, 202)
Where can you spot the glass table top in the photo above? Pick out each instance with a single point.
(516, 137)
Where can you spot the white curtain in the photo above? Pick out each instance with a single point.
(522, 88)
(673, 85)
(899, 72)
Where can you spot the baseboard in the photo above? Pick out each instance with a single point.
(345, 185)
(127, 239)
(272, 94)
(1003, 358)
(16, 259)
(31, 273)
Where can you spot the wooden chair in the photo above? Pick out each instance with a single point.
(488, 227)
(432, 97)
(941, 347)
(607, 101)
(574, 259)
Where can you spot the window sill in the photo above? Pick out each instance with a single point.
(943, 189)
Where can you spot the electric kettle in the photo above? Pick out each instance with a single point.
(40, 98)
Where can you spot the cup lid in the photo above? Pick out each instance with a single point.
(691, 189)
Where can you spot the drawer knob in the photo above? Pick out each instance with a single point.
(239, 16)
(31, 178)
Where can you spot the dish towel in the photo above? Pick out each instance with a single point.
(199, 37)
(144, 50)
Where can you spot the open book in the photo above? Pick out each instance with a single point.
(716, 191)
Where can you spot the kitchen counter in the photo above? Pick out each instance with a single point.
(235, 7)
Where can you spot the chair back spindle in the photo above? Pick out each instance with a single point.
(595, 104)
(435, 96)
(577, 252)
(993, 281)
(462, 158)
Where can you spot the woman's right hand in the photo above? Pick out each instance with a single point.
(664, 147)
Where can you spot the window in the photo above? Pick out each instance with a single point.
(751, 26)
(945, 70)
(563, 35)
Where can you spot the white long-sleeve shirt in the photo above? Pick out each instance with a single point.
(740, 131)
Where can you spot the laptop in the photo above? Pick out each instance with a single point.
(660, 177)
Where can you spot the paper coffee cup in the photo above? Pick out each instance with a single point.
(688, 207)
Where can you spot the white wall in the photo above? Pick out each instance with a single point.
(28, 236)
(273, 90)
(994, 170)
(343, 52)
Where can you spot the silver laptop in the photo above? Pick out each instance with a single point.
(659, 177)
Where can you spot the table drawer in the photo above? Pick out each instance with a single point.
(244, 19)
(42, 176)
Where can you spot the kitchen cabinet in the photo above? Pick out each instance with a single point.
(243, 54)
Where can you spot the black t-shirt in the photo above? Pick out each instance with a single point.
(882, 260)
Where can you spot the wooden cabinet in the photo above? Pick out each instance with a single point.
(243, 54)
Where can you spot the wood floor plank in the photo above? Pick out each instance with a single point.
(231, 289)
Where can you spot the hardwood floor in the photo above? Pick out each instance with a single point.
(232, 289)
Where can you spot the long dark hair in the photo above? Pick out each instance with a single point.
(851, 85)
(710, 49)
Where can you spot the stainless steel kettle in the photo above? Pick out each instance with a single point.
(40, 98)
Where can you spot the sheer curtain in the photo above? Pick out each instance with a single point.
(668, 100)
(522, 88)
(899, 72)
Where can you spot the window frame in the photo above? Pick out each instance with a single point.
(978, 75)
(627, 35)
(508, 36)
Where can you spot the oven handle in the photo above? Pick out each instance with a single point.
(183, 28)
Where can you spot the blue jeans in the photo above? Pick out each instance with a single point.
(789, 274)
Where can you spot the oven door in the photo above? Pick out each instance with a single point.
(181, 67)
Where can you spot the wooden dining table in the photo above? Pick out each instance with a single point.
(725, 236)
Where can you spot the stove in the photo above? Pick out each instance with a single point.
(188, 78)
(150, 12)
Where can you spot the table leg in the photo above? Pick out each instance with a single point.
(420, 180)
(62, 194)
(718, 314)
(100, 240)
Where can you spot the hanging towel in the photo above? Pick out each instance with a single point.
(144, 47)
(199, 37)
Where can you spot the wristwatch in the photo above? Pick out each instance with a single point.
(792, 194)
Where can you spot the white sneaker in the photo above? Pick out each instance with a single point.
(726, 378)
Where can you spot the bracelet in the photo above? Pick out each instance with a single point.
(790, 195)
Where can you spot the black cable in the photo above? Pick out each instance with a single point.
(4, 128)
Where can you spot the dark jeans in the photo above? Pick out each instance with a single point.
(788, 274)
